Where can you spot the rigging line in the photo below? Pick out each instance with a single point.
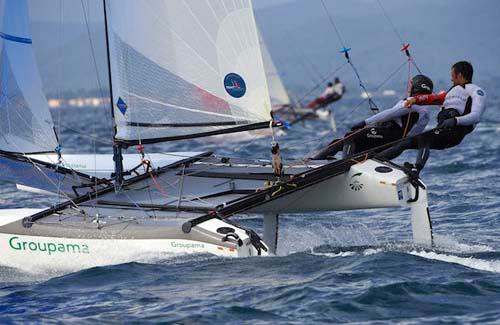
(94, 137)
(350, 135)
(92, 50)
(345, 50)
(313, 67)
(328, 76)
(49, 179)
(101, 90)
(135, 203)
(401, 66)
(61, 62)
(398, 34)
(332, 22)
(362, 101)
(390, 22)
(181, 189)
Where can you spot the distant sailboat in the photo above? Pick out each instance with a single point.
(170, 82)
(277, 91)
(282, 105)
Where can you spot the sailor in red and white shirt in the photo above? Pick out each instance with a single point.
(332, 93)
(462, 108)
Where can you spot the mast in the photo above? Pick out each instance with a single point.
(117, 147)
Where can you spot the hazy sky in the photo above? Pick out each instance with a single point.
(50, 10)
(303, 43)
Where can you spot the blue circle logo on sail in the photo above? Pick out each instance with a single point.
(235, 85)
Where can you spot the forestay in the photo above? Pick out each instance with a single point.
(25, 122)
(184, 68)
(277, 91)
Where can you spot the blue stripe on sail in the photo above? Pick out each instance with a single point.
(15, 38)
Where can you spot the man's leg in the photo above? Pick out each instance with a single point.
(330, 151)
(448, 138)
(372, 138)
(423, 152)
(397, 149)
(349, 144)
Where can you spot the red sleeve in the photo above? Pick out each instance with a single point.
(432, 99)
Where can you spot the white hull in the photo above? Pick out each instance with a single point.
(61, 254)
(367, 184)
(52, 254)
(361, 187)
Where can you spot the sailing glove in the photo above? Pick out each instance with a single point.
(448, 123)
(359, 125)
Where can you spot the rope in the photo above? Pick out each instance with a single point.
(345, 50)
(381, 85)
(405, 46)
(328, 76)
(345, 138)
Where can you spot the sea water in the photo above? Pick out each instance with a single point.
(349, 266)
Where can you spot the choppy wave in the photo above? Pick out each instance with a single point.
(346, 266)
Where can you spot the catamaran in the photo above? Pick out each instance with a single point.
(168, 83)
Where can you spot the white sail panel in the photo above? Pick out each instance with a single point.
(25, 121)
(277, 91)
(182, 68)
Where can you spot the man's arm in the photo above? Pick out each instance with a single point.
(432, 99)
(327, 92)
(389, 114)
(477, 109)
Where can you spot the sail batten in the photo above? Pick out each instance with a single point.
(192, 63)
(25, 122)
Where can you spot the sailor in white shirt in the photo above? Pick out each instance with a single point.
(462, 108)
(385, 127)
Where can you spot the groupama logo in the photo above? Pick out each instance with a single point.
(50, 248)
(355, 184)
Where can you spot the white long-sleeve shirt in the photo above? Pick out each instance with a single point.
(460, 97)
(328, 92)
(337, 88)
(397, 111)
(457, 98)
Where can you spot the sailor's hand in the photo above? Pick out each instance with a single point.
(409, 102)
(448, 123)
(358, 126)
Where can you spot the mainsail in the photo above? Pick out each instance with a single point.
(182, 69)
(277, 91)
(25, 121)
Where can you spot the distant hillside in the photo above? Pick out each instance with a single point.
(304, 45)
(69, 68)
(441, 32)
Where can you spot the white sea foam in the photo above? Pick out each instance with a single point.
(471, 262)
(453, 245)
(293, 240)
(341, 254)
(365, 252)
